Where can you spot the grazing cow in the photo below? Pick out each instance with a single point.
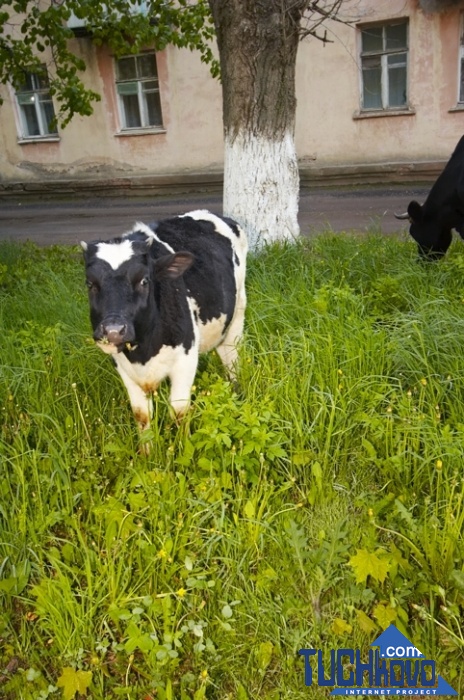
(442, 211)
(160, 295)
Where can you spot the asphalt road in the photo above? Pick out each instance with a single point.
(47, 222)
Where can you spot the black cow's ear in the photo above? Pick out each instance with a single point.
(415, 212)
(173, 266)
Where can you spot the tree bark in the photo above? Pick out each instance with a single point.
(258, 43)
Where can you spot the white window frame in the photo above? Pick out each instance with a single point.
(34, 98)
(384, 54)
(140, 92)
(460, 99)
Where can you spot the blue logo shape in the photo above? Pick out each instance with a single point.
(394, 667)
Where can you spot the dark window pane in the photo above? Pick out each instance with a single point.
(397, 59)
(371, 62)
(48, 115)
(30, 120)
(41, 82)
(146, 66)
(131, 111)
(126, 68)
(397, 87)
(372, 91)
(149, 85)
(372, 39)
(396, 36)
(153, 109)
(27, 84)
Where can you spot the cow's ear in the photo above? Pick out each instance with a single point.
(415, 212)
(173, 266)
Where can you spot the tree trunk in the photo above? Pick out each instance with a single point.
(258, 42)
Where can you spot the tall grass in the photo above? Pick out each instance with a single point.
(201, 570)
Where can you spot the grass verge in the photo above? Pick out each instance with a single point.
(311, 509)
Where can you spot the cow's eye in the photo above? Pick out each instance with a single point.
(91, 285)
(143, 282)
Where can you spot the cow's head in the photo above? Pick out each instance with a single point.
(431, 232)
(122, 277)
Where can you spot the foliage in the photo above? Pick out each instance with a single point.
(311, 507)
(32, 34)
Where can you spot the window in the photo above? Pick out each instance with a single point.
(35, 106)
(138, 92)
(384, 63)
(461, 62)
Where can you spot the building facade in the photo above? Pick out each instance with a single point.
(384, 99)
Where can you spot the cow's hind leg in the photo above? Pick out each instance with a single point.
(227, 350)
(182, 377)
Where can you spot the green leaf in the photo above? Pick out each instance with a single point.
(73, 682)
(369, 447)
(264, 655)
(241, 693)
(366, 564)
(249, 510)
(227, 612)
(365, 623)
(341, 627)
(457, 577)
(384, 614)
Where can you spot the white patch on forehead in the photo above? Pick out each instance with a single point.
(115, 254)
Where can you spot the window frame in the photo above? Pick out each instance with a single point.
(145, 126)
(385, 68)
(36, 93)
(460, 86)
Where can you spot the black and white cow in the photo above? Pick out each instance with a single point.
(443, 210)
(160, 295)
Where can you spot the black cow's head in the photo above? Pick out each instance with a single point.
(122, 276)
(432, 232)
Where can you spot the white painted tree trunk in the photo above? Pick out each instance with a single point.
(261, 186)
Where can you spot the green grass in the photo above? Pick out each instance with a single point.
(318, 504)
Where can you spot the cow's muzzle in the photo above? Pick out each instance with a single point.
(115, 332)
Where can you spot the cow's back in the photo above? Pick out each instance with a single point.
(217, 276)
(448, 189)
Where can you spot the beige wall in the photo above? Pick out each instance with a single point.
(94, 146)
(329, 131)
(328, 88)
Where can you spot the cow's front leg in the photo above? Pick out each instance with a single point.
(141, 403)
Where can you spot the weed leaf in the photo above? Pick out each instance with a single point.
(365, 623)
(384, 614)
(264, 655)
(73, 682)
(341, 627)
(366, 564)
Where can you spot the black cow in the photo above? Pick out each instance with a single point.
(442, 211)
(161, 295)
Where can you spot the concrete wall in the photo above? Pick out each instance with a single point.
(331, 135)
